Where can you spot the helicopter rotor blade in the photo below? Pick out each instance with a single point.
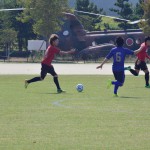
(137, 21)
(12, 9)
(125, 20)
(102, 15)
(83, 12)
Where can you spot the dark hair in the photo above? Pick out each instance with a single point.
(119, 41)
(52, 38)
(147, 39)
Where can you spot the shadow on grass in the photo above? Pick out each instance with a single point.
(130, 97)
(48, 93)
(51, 93)
(55, 93)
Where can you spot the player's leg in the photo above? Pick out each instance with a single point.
(120, 77)
(147, 79)
(127, 68)
(59, 90)
(55, 78)
(110, 82)
(135, 72)
(117, 84)
(146, 71)
(137, 68)
(35, 79)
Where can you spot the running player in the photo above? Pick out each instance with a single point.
(118, 53)
(47, 67)
(140, 63)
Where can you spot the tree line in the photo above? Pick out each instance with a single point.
(37, 21)
(41, 18)
(123, 9)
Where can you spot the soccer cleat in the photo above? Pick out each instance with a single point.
(60, 91)
(115, 95)
(109, 83)
(147, 86)
(26, 84)
(127, 68)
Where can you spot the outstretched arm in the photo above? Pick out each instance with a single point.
(139, 50)
(67, 52)
(101, 66)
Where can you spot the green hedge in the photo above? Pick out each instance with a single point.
(16, 54)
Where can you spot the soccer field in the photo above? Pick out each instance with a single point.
(39, 119)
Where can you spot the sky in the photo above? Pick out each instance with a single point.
(103, 4)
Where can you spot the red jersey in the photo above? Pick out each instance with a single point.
(143, 54)
(49, 55)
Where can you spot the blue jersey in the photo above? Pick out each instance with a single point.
(119, 54)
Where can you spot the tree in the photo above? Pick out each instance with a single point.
(146, 25)
(124, 10)
(139, 11)
(7, 38)
(44, 14)
(7, 32)
(88, 21)
(9, 21)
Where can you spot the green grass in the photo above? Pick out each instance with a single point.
(91, 120)
(113, 24)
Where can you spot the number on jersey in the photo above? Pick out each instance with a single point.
(118, 57)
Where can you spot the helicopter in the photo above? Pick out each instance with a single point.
(93, 44)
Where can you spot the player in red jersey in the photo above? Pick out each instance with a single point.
(47, 67)
(140, 63)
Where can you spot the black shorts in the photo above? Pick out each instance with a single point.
(119, 76)
(141, 66)
(47, 69)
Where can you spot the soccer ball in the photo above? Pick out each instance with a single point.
(79, 87)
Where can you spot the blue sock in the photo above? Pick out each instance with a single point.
(117, 84)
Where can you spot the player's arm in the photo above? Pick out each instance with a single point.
(67, 52)
(139, 50)
(106, 59)
(101, 66)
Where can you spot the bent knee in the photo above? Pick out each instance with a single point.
(42, 79)
(55, 76)
(121, 84)
(146, 71)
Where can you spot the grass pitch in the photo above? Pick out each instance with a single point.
(39, 119)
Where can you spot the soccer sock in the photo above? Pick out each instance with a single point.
(34, 79)
(116, 89)
(56, 82)
(147, 78)
(117, 84)
(134, 72)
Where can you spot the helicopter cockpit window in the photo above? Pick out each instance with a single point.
(138, 41)
(66, 33)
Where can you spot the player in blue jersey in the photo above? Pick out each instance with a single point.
(118, 54)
